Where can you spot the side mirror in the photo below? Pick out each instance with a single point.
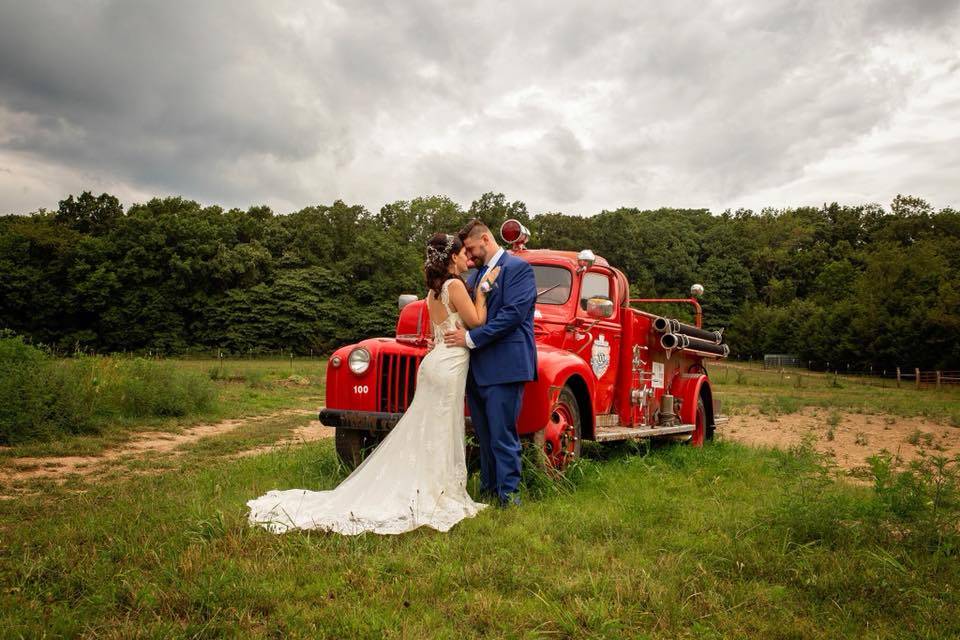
(406, 299)
(585, 260)
(599, 307)
(696, 290)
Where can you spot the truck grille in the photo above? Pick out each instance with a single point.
(398, 381)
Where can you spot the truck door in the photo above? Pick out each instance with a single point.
(603, 354)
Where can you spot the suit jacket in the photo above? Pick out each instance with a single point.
(504, 350)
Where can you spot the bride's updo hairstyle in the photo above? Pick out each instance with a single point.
(440, 251)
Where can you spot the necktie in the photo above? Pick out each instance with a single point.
(483, 272)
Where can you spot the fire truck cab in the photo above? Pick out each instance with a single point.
(606, 369)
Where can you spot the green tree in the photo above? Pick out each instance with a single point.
(89, 214)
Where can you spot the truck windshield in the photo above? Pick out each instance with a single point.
(553, 284)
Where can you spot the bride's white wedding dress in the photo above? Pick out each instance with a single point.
(416, 477)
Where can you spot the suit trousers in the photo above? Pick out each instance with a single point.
(494, 410)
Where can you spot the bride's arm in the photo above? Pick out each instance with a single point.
(473, 313)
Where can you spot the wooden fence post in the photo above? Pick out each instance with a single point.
(898, 377)
(916, 373)
(939, 375)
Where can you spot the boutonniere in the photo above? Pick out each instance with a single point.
(489, 289)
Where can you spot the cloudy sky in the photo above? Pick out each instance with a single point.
(569, 106)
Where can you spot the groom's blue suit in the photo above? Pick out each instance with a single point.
(502, 360)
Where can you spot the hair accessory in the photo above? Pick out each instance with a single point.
(436, 257)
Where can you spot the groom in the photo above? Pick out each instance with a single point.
(503, 357)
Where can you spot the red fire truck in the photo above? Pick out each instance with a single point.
(606, 370)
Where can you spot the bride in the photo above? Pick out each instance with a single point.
(418, 475)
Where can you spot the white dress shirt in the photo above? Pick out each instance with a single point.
(490, 264)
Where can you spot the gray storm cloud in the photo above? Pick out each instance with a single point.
(567, 106)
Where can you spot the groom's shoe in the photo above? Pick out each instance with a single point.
(510, 500)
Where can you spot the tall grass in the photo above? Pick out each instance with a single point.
(718, 542)
(42, 397)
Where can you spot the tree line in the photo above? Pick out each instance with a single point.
(858, 285)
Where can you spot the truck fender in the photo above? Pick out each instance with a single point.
(556, 368)
(687, 387)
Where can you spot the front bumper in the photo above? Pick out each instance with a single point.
(363, 420)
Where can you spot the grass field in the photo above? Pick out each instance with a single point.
(744, 387)
(724, 541)
(243, 388)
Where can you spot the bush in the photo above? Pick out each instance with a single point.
(22, 406)
(42, 398)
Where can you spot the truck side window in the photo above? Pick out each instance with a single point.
(594, 285)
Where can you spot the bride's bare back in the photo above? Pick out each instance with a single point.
(456, 299)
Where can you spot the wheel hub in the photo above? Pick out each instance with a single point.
(560, 436)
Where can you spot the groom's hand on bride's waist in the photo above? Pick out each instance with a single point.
(456, 337)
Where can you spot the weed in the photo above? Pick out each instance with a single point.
(770, 408)
(216, 373)
(775, 405)
(257, 379)
(833, 420)
(807, 509)
(923, 500)
(861, 439)
(917, 436)
(539, 479)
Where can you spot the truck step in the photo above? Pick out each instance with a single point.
(609, 434)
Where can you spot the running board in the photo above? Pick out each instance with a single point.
(608, 434)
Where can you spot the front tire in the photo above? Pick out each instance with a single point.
(353, 446)
(562, 433)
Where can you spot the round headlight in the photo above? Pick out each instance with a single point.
(359, 360)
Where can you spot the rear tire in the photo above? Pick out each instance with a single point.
(703, 431)
(711, 429)
(354, 445)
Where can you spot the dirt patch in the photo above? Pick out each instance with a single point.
(849, 438)
(307, 433)
(152, 442)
